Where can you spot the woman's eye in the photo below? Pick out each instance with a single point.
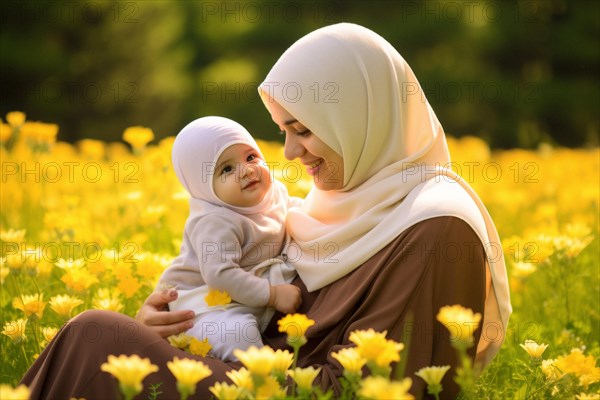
(304, 133)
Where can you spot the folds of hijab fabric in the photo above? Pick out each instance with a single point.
(355, 92)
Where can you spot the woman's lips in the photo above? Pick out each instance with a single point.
(314, 167)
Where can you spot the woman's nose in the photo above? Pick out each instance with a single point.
(292, 148)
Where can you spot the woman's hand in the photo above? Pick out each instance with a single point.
(155, 314)
(285, 298)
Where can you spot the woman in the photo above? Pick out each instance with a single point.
(384, 240)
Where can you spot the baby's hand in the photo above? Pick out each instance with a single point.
(285, 298)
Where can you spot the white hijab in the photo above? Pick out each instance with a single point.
(196, 151)
(355, 92)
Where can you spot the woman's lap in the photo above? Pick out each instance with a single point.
(70, 365)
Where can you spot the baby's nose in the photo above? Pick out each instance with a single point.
(250, 170)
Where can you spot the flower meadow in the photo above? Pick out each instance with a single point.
(91, 225)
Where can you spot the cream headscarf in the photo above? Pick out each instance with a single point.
(355, 92)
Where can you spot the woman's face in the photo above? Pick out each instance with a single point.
(321, 162)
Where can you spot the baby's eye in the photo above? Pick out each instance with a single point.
(251, 157)
(226, 169)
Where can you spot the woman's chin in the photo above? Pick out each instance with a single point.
(327, 186)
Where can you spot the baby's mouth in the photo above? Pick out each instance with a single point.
(250, 185)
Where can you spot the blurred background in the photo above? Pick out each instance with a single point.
(515, 73)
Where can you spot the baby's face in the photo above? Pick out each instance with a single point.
(241, 177)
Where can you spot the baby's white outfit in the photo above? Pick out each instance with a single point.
(224, 247)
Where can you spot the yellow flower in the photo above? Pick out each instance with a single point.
(217, 298)
(270, 389)
(460, 321)
(79, 279)
(129, 286)
(350, 359)
(377, 387)
(570, 246)
(122, 270)
(5, 132)
(130, 371)
(576, 363)
(259, 362)
(199, 347)
(373, 346)
(533, 349)
(432, 375)
(15, 330)
(39, 132)
(15, 118)
(181, 341)
(44, 268)
(574, 246)
(543, 249)
(7, 392)
(63, 305)
(91, 148)
(138, 136)
(188, 373)
(149, 265)
(550, 370)
(70, 263)
(13, 235)
(588, 396)
(14, 261)
(242, 378)
(523, 269)
(225, 391)
(49, 332)
(295, 326)
(111, 304)
(30, 304)
(282, 360)
(304, 377)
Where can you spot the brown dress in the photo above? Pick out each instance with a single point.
(435, 263)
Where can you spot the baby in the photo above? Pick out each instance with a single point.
(232, 237)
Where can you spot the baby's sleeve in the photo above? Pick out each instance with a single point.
(218, 242)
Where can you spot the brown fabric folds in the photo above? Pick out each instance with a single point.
(435, 263)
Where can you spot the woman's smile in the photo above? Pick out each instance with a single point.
(313, 167)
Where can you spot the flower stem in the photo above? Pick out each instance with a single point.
(296, 347)
(25, 355)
